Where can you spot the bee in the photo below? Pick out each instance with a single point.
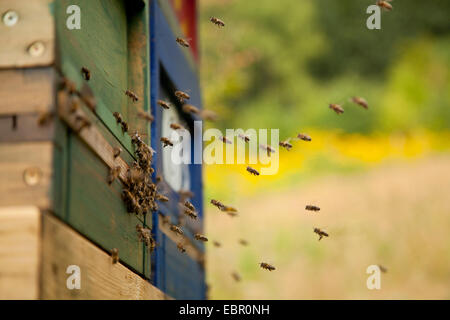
(321, 233)
(209, 115)
(336, 108)
(267, 266)
(229, 209)
(116, 152)
(113, 174)
(145, 235)
(217, 244)
(217, 21)
(244, 137)
(311, 207)
(84, 122)
(146, 116)
(166, 142)
(160, 197)
(361, 101)
(45, 118)
(132, 95)
(189, 205)
(86, 73)
(200, 237)
(186, 194)
(285, 144)
(181, 247)
(182, 42)
(74, 105)
(68, 85)
(176, 229)
(268, 148)
(382, 268)
(165, 219)
(243, 242)
(384, 4)
(182, 96)
(163, 104)
(176, 126)
(252, 171)
(225, 140)
(124, 126)
(190, 213)
(118, 117)
(304, 137)
(189, 108)
(236, 276)
(218, 204)
(115, 255)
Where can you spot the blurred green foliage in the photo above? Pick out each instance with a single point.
(278, 64)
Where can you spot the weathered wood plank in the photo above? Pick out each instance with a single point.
(25, 174)
(35, 23)
(26, 128)
(100, 279)
(26, 90)
(19, 252)
(97, 210)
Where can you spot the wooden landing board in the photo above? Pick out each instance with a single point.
(35, 23)
(100, 279)
(19, 252)
(15, 160)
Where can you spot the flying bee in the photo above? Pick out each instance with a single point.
(160, 197)
(361, 101)
(190, 213)
(163, 104)
(182, 42)
(146, 116)
(182, 96)
(189, 108)
(45, 118)
(229, 209)
(115, 255)
(181, 247)
(304, 137)
(116, 151)
(252, 171)
(118, 117)
(86, 73)
(236, 276)
(166, 142)
(113, 174)
(176, 126)
(285, 144)
(384, 4)
(243, 242)
(321, 233)
(217, 244)
(225, 140)
(218, 204)
(217, 21)
(209, 115)
(336, 108)
(268, 149)
(176, 229)
(200, 237)
(311, 207)
(132, 95)
(267, 266)
(382, 268)
(189, 205)
(244, 137)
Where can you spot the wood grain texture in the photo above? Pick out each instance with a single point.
(100, 279)
(14, 160)
(35, 23)
(19, 252)
(26, 90)
(25, 128)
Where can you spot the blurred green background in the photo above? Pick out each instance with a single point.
(381, 176)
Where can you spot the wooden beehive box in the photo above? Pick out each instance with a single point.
(56, 206)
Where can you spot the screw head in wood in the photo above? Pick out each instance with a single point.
(36, 49)
(32, 176)
(10, 18)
